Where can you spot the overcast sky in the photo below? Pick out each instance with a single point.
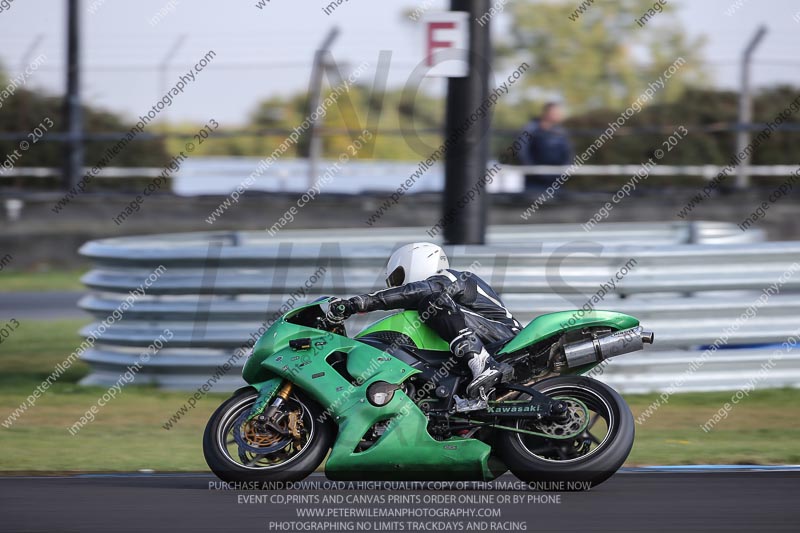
(264, 52)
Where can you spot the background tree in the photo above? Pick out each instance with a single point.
(26, 109)
(284, 114)
(601, 58)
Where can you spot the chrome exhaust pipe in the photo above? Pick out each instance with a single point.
(596, 350)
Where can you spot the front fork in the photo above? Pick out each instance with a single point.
(276, 388)
(266, 417)
(280, 398)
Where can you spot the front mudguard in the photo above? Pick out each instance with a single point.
(266, 391)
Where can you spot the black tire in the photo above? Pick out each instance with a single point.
(296, 468)
(596, 465)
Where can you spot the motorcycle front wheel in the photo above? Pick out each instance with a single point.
(238, 450)
(588, 459)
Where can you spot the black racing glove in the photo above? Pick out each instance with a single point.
(339, 310)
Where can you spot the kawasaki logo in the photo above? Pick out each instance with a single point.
(529, 408)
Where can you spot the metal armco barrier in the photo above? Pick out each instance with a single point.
(686, 281)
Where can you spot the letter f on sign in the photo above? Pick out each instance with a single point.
(434, 45)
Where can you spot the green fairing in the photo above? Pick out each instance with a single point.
(405, 450)
(540, 328)
(545, 326)
(409, 323)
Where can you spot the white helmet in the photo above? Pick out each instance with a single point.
(415, 262)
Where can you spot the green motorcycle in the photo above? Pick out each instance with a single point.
(388, 404)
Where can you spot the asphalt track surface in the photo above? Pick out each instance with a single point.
(634, 500)
(51, 305)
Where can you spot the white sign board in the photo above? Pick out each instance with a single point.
(446, 43)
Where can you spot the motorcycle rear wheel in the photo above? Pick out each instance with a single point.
(586, 459)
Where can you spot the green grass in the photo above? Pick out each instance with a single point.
(128, 433)
(763, 428)
(55, 280)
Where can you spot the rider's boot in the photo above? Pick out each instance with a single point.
(486, 373)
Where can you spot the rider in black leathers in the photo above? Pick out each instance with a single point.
(462, 308)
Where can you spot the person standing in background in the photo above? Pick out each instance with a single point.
(546, 143)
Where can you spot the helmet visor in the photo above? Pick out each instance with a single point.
(396, 278)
